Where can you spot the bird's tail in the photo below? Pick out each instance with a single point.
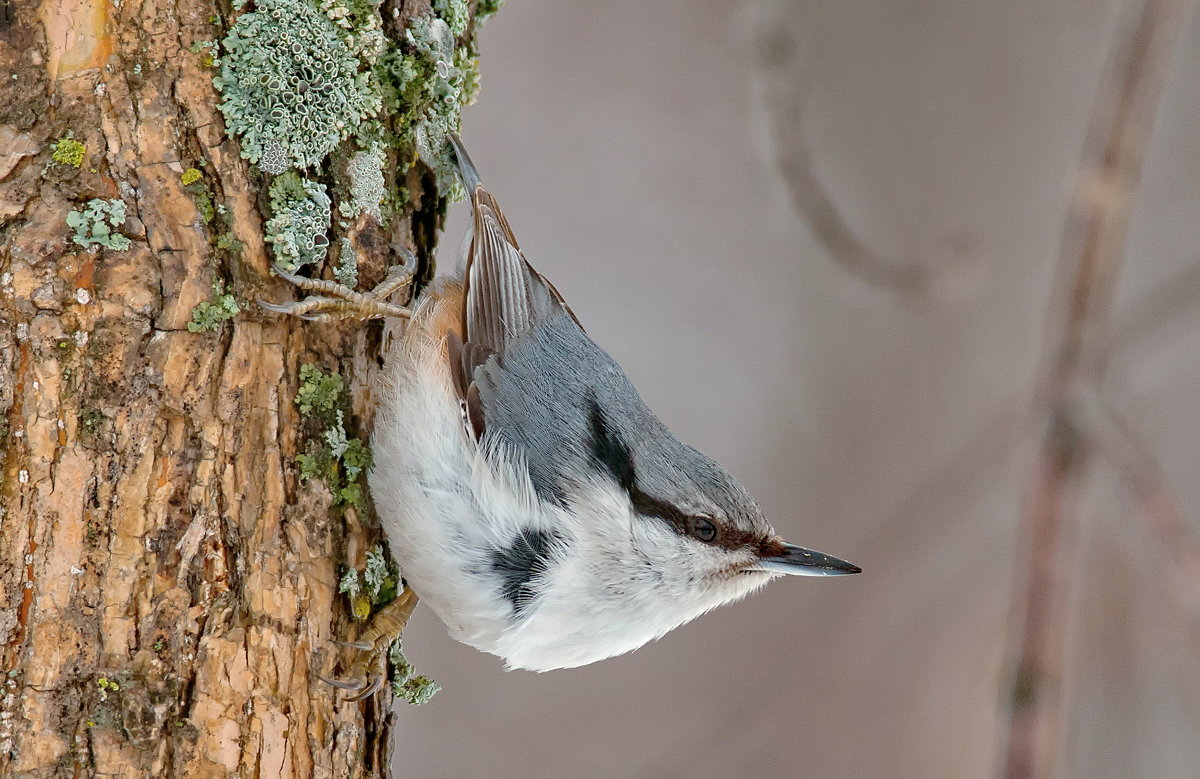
(466, 168)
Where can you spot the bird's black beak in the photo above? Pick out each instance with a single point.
(798, 561)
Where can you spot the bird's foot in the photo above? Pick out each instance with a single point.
(335, 301)
(368, 673)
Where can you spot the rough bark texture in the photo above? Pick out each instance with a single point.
(168, 586)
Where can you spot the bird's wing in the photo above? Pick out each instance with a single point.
(504, 298)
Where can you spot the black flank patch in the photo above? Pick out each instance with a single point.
(525, 559)
(608, 448)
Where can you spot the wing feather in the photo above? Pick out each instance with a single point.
(504, 296)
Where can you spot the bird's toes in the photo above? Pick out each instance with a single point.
(372, 686)
(353, 684)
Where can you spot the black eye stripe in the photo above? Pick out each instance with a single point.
(611, 451)
(652, 507)
(703, 529)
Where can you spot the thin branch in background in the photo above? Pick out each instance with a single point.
(845, 248)
(786, 111)
(1123, 445)
(1090, 259)
(1035, 692)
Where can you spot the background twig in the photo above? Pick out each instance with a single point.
(1089, 262)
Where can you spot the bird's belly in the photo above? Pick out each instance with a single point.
(422, 488)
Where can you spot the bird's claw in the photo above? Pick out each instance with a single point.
(336, 301)
(362, 688)
(343, 684)
(368, 673)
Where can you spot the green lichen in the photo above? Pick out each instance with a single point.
(229, 243)
(485, 9)
(203, 199)
(209, 314)
(356, 458)
(360, 606)
(360, 602)
(319, 392)
(300, 220)
(352, 495)
(425, 86)
(295, 81)
(68, 151)
(405, 684)
(95, 225)
(104, 686)
(91, 418)
(193, 183)
(335, 458)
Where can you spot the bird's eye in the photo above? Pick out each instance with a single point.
(702, 529)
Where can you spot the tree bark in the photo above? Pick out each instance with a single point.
(168, 584)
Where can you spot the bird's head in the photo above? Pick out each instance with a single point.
(692, 524)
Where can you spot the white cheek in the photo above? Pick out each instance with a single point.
(656, 543)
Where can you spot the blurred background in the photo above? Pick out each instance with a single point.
(890, 263)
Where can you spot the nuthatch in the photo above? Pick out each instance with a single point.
(531, 498)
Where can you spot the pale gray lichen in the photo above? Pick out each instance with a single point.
(294, 83)
(360, 24)
(274, 158)
(405, 683)
(336, 440)
(95, 225)
(349, 583)
(452, 86)
(299, 222)
(456, 13)
(376, 571)
(425, 85)
(367, 185)
(346, 271)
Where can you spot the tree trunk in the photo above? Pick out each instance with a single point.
(169, 584)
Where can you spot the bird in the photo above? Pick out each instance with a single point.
(531, 498)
